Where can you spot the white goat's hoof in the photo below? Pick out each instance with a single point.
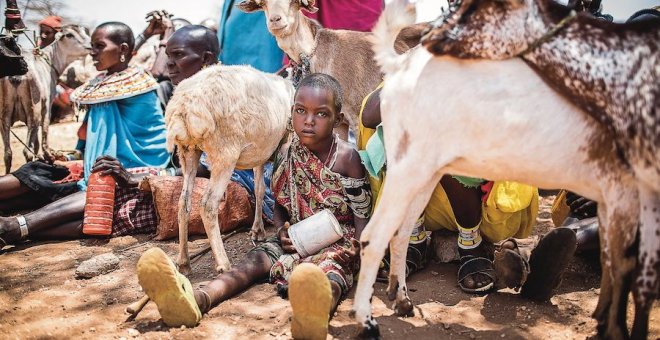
(258, 235)
(221, 268)
(404, 308)
(184, 268)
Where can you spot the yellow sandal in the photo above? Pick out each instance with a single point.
(311, 300)
(171, 291)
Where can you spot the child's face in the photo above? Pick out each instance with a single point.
(314, 115)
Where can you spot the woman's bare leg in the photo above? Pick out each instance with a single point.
(67, 209)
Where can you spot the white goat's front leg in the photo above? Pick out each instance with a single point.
(647, 282)
(399, 192)
(397, 288)
(189, 159)
(220, 177)
(257, 233)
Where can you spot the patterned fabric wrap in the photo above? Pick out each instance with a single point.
(127, 83)
(134, 211)
(303, 185)
(358, 194)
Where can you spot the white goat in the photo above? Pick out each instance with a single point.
(238, 116)
(345, 55)
(611, 72)
(28, 98)
(492, 119)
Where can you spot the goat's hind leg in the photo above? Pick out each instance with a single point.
(220, 177)
(7, 145)
(619, 223)
(647, 281)
(33, 142)
(397, 288)
(398, 193)
(257, 233)
(189, 159)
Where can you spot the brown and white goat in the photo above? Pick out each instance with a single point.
(498, 120)
(238, 116)
(609, 70)
(28, 98)
(343, 54)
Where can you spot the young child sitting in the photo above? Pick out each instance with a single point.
(316, 171)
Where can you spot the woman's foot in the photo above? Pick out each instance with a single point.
(547, 263)
(171, 291)
(476, 273)
(310, 295)
(511, 267)
(10, 232)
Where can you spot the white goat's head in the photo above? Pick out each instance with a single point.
(492, 29)
(281, 15)
(73, 41)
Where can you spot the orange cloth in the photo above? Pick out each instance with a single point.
(52, 21)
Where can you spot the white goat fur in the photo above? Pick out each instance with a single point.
(490, 119)
(28, 98)
(237, 115)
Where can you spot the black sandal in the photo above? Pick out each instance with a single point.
(547, 263)
(471, 265)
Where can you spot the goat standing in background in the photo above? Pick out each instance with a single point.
(238, 116)
(28, 98)
(502, 121)
(343, 54)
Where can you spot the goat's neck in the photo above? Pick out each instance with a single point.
(301, 41)
(53, 57)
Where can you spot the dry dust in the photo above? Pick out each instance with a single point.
(41, 299)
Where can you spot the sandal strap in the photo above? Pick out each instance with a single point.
(475, 265)
(22, 224)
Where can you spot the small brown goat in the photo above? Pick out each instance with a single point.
(345, 55)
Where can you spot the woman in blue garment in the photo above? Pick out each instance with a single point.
(123, 120)
(245, 40)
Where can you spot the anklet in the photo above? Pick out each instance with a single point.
(469, 238)
(22, 224)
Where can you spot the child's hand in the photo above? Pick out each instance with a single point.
(346, 256)
(285, 241)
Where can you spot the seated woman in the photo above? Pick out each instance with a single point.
(317, 171)
(123, 121)
(478, 211)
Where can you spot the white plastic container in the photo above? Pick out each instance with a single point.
(315, 233)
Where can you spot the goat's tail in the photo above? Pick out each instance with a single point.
(188, 121)
(397, 15)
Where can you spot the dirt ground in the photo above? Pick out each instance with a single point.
(40, 298)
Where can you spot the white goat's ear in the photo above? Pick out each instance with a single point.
(249, 6)
(309, 5)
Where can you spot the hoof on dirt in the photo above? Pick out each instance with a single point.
(184, 269)
(370, 331)
(222, 268)
(404, 308)
(258, 235)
